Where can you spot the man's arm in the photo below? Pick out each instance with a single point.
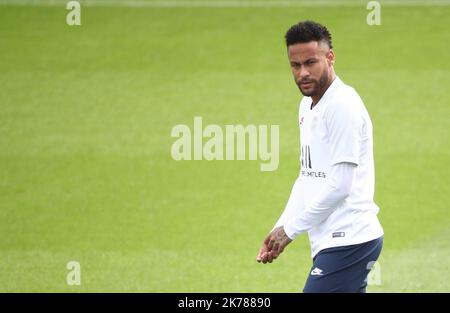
(335, 191)
(337, 188)
(293, 206)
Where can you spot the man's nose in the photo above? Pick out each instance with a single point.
(303, 72)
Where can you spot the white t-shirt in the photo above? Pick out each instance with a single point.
(336, 131)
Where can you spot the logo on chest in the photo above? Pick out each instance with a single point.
(313, 122)
(307, 164)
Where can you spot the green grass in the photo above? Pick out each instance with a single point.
(85, 166)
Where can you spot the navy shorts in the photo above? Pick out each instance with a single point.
(343, 269)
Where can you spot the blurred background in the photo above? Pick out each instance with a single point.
(86, 114)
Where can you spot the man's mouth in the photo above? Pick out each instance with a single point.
(306, 83)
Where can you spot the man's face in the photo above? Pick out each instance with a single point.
(311, 64)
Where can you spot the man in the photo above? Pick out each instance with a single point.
(332, 199)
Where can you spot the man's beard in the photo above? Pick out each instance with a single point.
(318, 85)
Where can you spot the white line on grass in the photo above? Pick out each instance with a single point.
(222, 3)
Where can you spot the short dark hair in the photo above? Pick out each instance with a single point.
(307, 31)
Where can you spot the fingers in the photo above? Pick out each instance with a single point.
(271, 256)
(275, 247)
(272, 238)
(271, 247)
(270, 244)
(268, 257)
(263, 257)
(260, 256)
(264, 249)
(268, 253)
(278, 248)
(265, 254)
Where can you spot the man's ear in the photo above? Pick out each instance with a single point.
(331, 57)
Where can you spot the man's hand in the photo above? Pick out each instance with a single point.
(273, 245)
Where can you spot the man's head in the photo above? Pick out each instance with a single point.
(311, 57)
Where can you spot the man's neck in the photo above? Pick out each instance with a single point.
(317, 98)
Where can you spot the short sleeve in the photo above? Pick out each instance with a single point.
(344, 124)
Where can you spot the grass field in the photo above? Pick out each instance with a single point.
(86, 172)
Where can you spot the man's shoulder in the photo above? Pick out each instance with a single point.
(346, 93)
(345, 106)
(345, 97)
